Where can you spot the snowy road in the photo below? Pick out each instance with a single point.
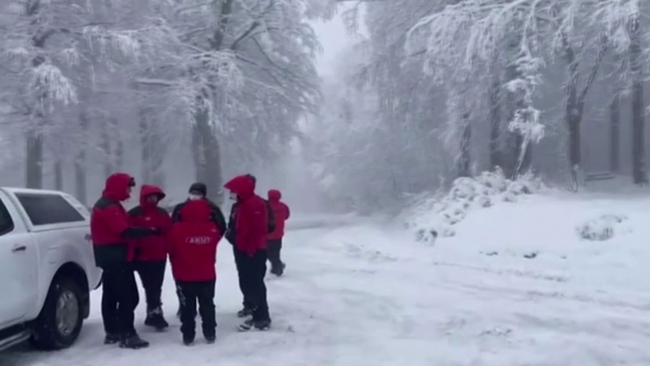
(360, 295)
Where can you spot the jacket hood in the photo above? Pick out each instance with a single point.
(196, 211)
(274, 195)
(147, 190)
(117, 186)
(243, 186)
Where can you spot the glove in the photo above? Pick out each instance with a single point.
(156, 231)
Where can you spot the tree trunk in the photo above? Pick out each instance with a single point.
(639, 175)
(153, 150)
(209, 169)
(615, 133)
(145, 144)
(157, 158)
(512, 141)
(34, 159)
(80, 158)
(58, 175)
(464, 159)
(119, 149)
(105, 146)
(197, 153)
(495, 122)
(572, 110)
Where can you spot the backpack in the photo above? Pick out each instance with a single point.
(271, 218)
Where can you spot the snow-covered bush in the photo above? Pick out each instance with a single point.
(601, 228)
(434, 216)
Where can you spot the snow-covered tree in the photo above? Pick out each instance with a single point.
(42, 44)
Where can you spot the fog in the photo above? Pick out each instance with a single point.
(343, 108)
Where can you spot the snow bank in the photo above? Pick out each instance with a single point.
(434, 216)
(601, 228)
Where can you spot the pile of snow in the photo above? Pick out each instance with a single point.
(601, 228)
(436, 215)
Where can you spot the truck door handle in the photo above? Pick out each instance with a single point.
(19, 248)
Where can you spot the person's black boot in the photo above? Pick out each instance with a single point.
(246, 325)
(278, 270)
(262, 324)
(133, 341)
(156, 319)
(111, 338)
(210, 339)
(188, 341)
(245, 312)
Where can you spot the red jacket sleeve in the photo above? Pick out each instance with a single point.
(287, 211)
(116, 220)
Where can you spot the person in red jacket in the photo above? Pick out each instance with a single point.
(250, 229)
(281, 213)
(150, 254)
(111, 234)
(193, 254)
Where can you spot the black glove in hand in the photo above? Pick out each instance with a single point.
(156, 231)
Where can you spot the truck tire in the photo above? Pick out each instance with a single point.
(59, 323)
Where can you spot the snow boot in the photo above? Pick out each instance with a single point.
(278, 271)
(250, 324)
(156, 319)
(188, 341)
(111, 339)
(133, 342)
(262, 324)
(210, 339)
(246, 325)
(244, 312)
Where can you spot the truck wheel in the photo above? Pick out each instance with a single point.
(59, 323)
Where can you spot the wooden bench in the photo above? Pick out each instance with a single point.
(599, 176)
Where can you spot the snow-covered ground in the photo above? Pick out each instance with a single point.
(515, 286)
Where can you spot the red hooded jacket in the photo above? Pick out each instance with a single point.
(193, 244)
(251, 223)
(149, 215)
(109, 220)
(281, 214)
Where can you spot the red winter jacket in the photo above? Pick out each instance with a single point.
(281, 214)
(193, 244)
(149, 215)
(109, 220)
(251, 223)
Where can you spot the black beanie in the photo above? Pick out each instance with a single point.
(199, 188)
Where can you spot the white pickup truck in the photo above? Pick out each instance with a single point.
(47, 268)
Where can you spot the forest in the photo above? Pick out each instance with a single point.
(429, 91)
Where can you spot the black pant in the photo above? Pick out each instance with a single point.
(119, 299)
(239, 263)
(152, 275)
(275, 246)
(192, 293)
(253, 271)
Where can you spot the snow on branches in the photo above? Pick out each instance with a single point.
(466, 37)
(43, 48)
